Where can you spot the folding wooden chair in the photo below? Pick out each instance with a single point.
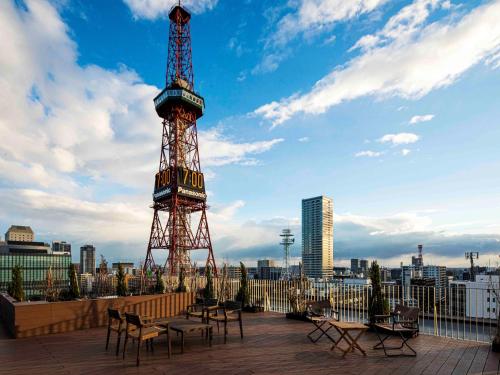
(319, 313)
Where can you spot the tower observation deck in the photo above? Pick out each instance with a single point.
(179, 198)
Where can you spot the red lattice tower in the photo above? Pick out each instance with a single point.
(179, 193)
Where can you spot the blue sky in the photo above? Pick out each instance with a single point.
(389, 107)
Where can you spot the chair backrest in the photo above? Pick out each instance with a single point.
(133, 319)
(232, 305)
(407, 312)
(210, 302)
(114, 314)
(319, 308)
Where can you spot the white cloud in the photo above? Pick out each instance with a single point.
(399, 139)
(402, 25)
(151, 9)
(315, 16)
(218, 150)
(421, 58)
(308, 18)
(405, 152)
(421, 118)
(303, 139)
(368, 153)
(80, 144)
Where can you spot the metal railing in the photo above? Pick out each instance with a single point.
(455, 311)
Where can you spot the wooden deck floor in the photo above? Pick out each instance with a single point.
(272, 345)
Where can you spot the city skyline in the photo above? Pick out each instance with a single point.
(408, 157)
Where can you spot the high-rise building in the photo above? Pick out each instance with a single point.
(438, 274)
(267, 270)
(354, 266)
(19, 233)
(363, 265)
(61, 247)
(87, 259)
(317, 237)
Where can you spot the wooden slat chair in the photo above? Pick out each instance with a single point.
(116, 323)
(402, 323)
(319, 313)
(226, 312)
(199, 308)
(140, 331)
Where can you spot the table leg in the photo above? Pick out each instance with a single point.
(354, 341)
(169, 343)
(337, 342)
(182, 341)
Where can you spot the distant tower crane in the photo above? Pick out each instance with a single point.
(287, 241)
(472, 255)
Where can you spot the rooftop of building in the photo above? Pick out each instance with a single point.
(272, 345)
(21, 228)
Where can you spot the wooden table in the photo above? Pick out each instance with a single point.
(187, 326)
(343, 328)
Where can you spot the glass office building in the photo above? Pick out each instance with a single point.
(34, 271)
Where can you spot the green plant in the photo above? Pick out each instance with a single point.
(208, 292)
(121, 286)
(243, 295)
(74, 289)
(377, 303)
(16, 289)
(160, 285)
(181, 287)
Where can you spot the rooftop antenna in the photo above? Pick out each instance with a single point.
(287, 241)
(472, 255)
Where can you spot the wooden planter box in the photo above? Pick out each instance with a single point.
(26, 319)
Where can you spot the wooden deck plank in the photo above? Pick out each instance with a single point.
(491, 364)
(272, 344)
(463, 366)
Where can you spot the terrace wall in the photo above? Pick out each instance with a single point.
(26, 319)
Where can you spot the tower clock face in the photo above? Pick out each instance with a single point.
(188, 183)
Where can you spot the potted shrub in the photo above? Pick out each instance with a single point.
(121, 285)
(377, 303)
(15, 288)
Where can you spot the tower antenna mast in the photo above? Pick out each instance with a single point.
(179, 198)
(287, 241)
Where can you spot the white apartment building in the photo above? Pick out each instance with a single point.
(317, 237)
(481, 299)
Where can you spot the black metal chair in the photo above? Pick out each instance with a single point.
(402, 324)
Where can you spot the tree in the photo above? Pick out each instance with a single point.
(16, 289)
(243, 295)
(181, 287)
(208, 293)
(50, 293)
(121, 286)
(160, 285)
(377, 304)
(74, 289)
